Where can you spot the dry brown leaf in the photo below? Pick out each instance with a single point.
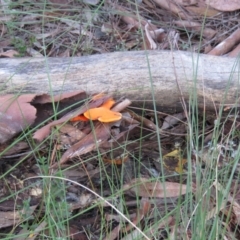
(3, 30)
(208, 33)
(158, 34)
(46, 35)
(133, 235)
(79, 30)
(116, 154)
(9, 53)
(91, 2)
(170, 40)
(16, 148)
(92, 141)
(186, 2)
(236, 210)
(163, 224)
(10, 218)
(203, 11)
(71, 23)
(133, 21)
(107, 28)
(227, 44)
(235, 52)
(6, 18)
(145, 122)
(151, 43)
(114, 233)
(65, 54)
(31, 233)
(5, 43)
(121, 105)
(153, 36)
(171, 120)
(144, 188)
(84, 200)
(235, 206)
(59, 2)
(74, 234)
(145, 207)
(16, 114)
(224, 5)
(149, 4)
(207, 48)
(173, 8)
(117, 217)
(33, 53)
(67, 134)
(131, 44)
(29, 19)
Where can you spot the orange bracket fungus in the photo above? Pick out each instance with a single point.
(102, 113)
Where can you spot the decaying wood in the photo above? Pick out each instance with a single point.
(137, 75)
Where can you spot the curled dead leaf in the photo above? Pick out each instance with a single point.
(208, 33)
(91, 142)
(119, 160)
(145, 207)
(203, 11)
(16, 114)
(224, 5)
(226, 45)
(186, 3)
(235, 52)
(11, 218)
(171, 120)
(9, 53)
(144, 188)
(91, 2)
(172, 7)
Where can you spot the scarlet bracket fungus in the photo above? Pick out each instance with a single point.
(102, 113)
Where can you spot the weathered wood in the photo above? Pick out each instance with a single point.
(132, 74)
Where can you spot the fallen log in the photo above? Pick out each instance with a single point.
(162, 76)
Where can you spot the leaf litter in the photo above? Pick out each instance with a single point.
(91, 27)
(126, 150)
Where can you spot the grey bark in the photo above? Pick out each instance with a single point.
(137, 75)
